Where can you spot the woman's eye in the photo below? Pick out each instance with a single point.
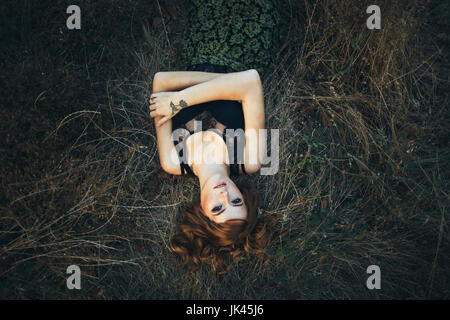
(216, 208)
(236, 201)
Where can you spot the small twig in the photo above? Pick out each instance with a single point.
(164, 24)
(314, 97)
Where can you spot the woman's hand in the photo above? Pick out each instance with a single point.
(165, 105)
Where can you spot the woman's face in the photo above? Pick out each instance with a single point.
(221, 200)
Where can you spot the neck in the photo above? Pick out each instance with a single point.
(206, 171)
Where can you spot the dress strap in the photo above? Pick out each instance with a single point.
(234, 165)
(243, 168)
(184, 167)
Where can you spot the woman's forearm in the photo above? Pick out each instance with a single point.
(177, 80)
(228, 86)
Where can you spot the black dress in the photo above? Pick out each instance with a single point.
(236, 34)
(227, 112)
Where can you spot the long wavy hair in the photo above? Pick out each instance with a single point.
(201, 240)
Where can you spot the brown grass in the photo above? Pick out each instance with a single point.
(363, 179)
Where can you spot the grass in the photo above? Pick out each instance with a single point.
(363, 178)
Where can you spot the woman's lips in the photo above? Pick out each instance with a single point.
(220, 185)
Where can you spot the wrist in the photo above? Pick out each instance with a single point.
(181, 100)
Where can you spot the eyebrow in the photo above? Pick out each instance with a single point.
(238, 205)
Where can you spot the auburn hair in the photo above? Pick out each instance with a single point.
(201, 240)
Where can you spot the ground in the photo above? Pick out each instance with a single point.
(364, 152)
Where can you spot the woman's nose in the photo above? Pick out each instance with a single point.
(224, 195)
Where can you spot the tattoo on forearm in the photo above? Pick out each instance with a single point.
(176, 108)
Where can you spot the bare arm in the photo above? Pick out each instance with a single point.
(178, 80)
(247, 88)
(168, 81)
(166, 147)
(242, 86)
(227, 86)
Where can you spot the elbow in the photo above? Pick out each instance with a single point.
(165, 165)
(252, 85)
(167, 169)
(256, 80)
(158, 75)
(157, 81)
(254, 75)
(170, 168)
(252, 88)
(252, 168)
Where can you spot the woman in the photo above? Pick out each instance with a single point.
(228, 45)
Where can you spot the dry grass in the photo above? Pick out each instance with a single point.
(364, 156)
